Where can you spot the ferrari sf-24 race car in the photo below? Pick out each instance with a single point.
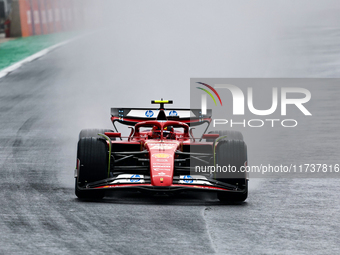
(160, 155)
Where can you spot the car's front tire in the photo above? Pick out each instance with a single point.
(93, 166)
(232, 154)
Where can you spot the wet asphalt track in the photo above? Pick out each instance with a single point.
(43, 106)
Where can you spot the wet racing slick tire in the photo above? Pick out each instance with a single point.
(93, 133)
(231, 135)
(93, 165)
(232, 153)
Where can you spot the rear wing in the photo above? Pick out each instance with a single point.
(131, 116)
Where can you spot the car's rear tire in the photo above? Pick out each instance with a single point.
(231, 135)
(93, 133)
(93, 165)
(233, 153)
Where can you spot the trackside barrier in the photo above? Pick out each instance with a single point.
(38, 17)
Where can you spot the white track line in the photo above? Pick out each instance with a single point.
(35, 56)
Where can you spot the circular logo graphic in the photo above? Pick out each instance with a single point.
(149, 113)
(188, 179)
(135, 176)
(173, 113)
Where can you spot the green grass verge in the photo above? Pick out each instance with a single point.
(21, 48)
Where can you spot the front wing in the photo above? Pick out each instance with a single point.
(180, 183)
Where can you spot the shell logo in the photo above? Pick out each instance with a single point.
(161, 155)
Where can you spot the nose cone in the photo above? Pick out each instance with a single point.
(162, 161)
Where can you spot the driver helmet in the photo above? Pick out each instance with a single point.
(168, 132)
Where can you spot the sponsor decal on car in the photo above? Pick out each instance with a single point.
(162, 160)
(161, 164)
(129, 178)
(161, 155)
(188, 179)
(194, 179)
(173, 113)
(161, 167)
(160, 175)
(133, 178)
(149, 113)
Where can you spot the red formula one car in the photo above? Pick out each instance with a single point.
(161, 156)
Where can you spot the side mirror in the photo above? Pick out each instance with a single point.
(210, 136)
(113, 134)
